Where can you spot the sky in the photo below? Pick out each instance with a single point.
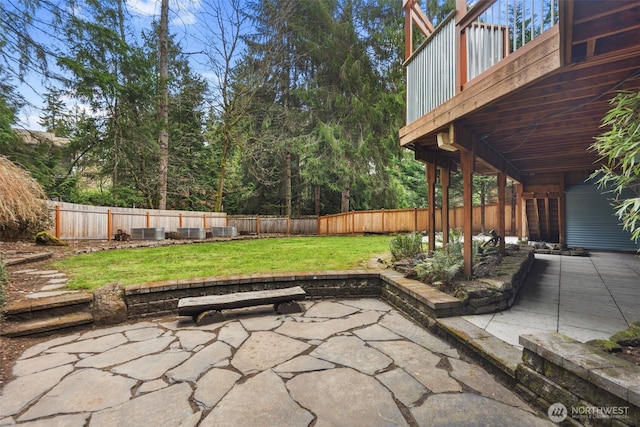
(185, 21)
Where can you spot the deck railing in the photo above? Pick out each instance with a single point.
(458, 52)
(494, 28)
(431, 71)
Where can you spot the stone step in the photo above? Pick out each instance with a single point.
(24, 259)
(47, 307)
(24, 328)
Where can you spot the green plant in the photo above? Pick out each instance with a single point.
(619, 149)
(405, 246)
(443, 266)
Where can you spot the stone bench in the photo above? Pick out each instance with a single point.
(208, 309)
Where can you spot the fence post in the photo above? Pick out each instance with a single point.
(148, 219)
(180, 219)
(258, 225)
(288, 225)
(109, 225)
(353, 222)
(204, 220)
(57, 221)
(415, 219)
(382, 219)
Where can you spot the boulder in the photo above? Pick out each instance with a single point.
(109, 307)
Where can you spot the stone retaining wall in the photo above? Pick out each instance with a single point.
(161, 298)
(555, 368)
(596, 388)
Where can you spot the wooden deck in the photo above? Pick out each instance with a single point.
(532, 113)
(539, 108)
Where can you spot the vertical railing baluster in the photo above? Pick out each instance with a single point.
(533, 20)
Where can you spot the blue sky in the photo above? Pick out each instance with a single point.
(186, 22)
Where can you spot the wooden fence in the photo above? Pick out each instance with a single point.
(407, 220)
(307, 225)
(81, 222)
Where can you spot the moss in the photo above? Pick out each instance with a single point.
(604, 345)
(628, 337)
(47, 239)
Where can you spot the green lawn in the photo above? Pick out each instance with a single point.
(129, 266)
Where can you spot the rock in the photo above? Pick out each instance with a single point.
(47, 239)
(109, 307)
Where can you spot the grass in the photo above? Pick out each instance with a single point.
(278, 255)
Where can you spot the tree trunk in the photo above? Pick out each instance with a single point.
(316, 198)
(344, 202)
(223, 170)
(287, 184)
(163, 105)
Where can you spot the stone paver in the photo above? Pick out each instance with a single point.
(86, 390)
(330, 395)
(352, 352)
(41, 363)
(166, 407)
(233, 334)
(343, 362)
(261, 401)
(213, 386)
(446, 410)
(404, 387)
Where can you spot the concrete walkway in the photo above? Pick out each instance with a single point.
(341, 363)
(583, 297)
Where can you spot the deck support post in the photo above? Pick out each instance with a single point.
(468, 158)
(502, 183)
(561, 226)
(431, 169)
(444, 183)
(519, 222)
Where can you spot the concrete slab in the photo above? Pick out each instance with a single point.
(583, 297)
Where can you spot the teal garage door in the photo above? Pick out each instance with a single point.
(591, 222)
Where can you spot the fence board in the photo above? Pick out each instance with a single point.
(407, 220)
(81, 222)
(306, 225)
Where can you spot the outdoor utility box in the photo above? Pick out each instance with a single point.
(193, 233)
(224, 231)
(147, 233)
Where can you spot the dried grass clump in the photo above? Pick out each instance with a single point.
(23, 211)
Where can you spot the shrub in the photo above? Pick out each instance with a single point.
(443, 266)
(23, 211)
(406, 246)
